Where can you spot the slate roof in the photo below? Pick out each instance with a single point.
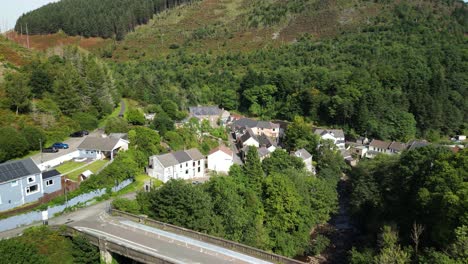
(337, 133)
(263, 140)
(181, 156)
(119, 135)
(195, 154)
(414, 144)
(205, 111)
(262, 152)
(397, 146)
(222, 148)
(379, 144)
(167, 160)
(50, 174)
(245, 122)
(17, 169)
(248, 134)
(303, 154)
(97, 143)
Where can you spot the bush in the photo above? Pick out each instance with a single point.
(34, 136)
(86, 121)
(174, 46)
(319, 244)
(126, 205)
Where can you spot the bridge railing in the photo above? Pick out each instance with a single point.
(251, 251)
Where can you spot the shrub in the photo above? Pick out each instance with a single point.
(126, 205)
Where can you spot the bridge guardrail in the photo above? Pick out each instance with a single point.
(248, 250)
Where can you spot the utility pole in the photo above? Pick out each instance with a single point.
(27, 34)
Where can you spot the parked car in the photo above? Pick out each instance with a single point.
(50, 150)
(60, 145)
(81, 133)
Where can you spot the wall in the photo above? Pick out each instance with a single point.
(56, 186)
(57, 161)
(35, 216)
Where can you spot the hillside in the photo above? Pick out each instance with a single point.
(12, 55)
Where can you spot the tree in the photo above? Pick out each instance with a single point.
(163, 123)
(179, 203)
(34, 136)
(12, 144)
(86, 121)
(253, 169)
(13, 251)
(116, 125)
(18, 91)
(391, 252)
(279, 161)
(135, 117)
(299, 135)
(145, 140)
(84, 252)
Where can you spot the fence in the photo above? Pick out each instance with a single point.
(35, 216)
(251, 251)
(57, 161)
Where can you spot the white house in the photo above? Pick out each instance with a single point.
(335, 135)
(220, 159)
(248, 139)
(101, 148)
(306, 158)
(183, 164)
(211, 113)
(258, 128)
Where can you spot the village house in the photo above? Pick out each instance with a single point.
(101, 148)
(22, 182)
(266, 128)
(415, 144)
(183, 164)
(306, 158)
(384, 147)
(215, 115)
(220, 159)
(335, 135)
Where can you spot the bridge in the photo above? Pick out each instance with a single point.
(150, 241)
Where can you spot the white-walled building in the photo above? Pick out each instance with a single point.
(306, 158)
(335, 135)
(220, 159)
(101, 148)
(183, 164)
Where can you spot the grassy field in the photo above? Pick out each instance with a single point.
(138, 184)
(73, 169)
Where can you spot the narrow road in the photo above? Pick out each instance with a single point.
(122, 108)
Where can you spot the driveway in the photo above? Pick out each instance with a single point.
(73, 143)
(232, 145)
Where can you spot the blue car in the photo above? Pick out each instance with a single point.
(60, 145)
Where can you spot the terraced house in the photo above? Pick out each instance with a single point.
(183, 164)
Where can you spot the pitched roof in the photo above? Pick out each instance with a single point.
(303, 154)
(414, 144)
(195, 154)
(205, 111)
(50, 174)
(398, 146)
(181, 156)
(379, 144)
(97, 143)
(247, 135)
(17, 169)
(245, 122)
(119, 135)
(337, 133)
(222, 148)
(263, 140)
(262, 152)
(167, 160)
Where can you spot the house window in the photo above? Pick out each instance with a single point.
(14, 183)
(181, 165)
(199, 169)
(49, 182)
(198, 163)
(186, 171)
(186, 164)
(32, 189)
(31, 179)
(273, 130)
(194, 163)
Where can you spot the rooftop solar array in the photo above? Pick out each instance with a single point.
(17, 169)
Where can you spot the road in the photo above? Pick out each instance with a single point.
(232, 145)
(122, 108)
(73, 143)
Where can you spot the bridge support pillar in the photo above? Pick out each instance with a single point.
(106, 256)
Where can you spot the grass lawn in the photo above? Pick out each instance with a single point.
(69, 166)
(94, 167)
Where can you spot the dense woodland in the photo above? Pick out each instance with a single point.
(421, 197)
(50, 98)
(401, 77)
(92, 18)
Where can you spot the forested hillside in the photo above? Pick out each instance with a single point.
(103, 18)
(50, 97)
(402, 76)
